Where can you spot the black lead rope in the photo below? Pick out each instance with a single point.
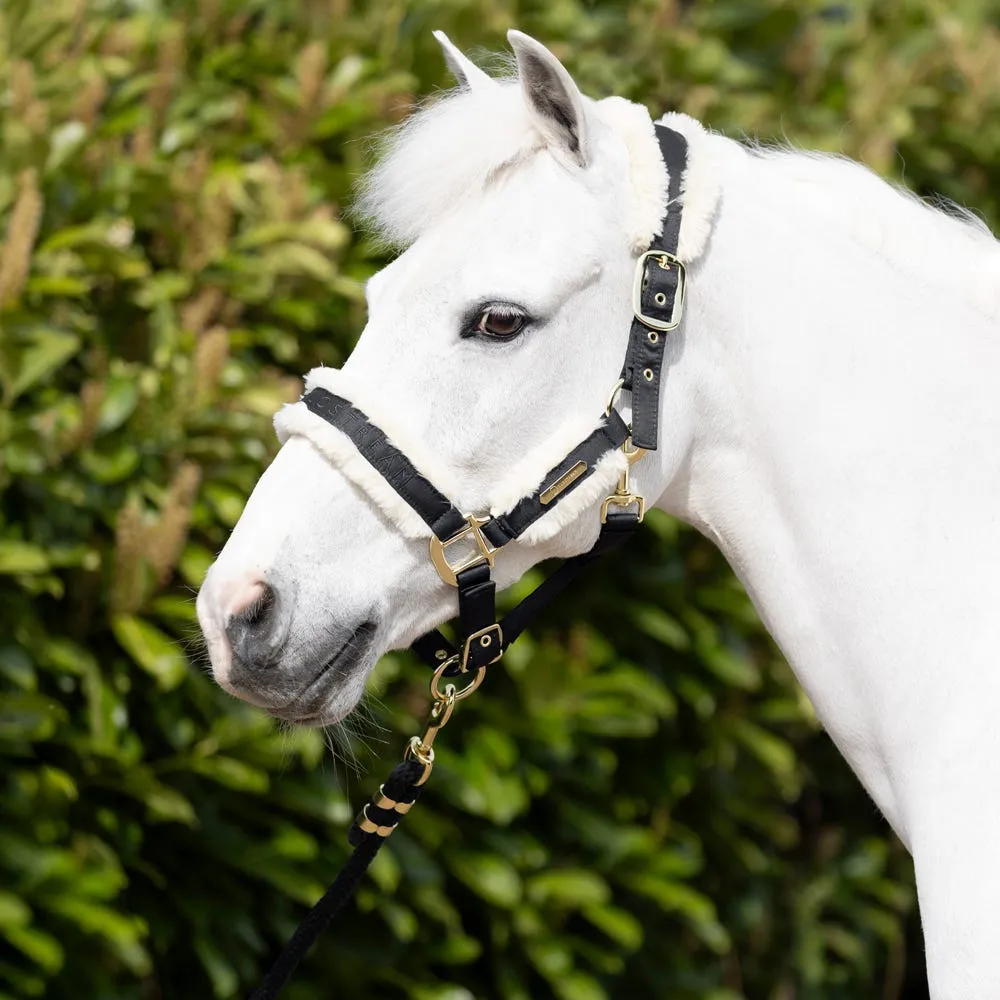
(403, 788)
(658, 300)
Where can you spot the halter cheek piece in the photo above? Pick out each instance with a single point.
(463, 547)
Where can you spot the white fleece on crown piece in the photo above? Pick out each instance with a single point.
(648, 178)
(523, 480)
(701, 189)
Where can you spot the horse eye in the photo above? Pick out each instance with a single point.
(500, 322)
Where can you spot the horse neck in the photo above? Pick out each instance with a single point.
(835, 419)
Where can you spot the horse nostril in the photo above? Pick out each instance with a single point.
(257, 612)
(252, 630)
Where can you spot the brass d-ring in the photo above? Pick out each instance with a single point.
(613, 395)
(461, 692)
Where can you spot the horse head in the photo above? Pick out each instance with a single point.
(491, 345)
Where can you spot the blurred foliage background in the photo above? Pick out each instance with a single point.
(641, 803)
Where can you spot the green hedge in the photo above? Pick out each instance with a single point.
(640, 802)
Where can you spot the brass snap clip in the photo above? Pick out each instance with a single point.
(623, 497)
(421, 748)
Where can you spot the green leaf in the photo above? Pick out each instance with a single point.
(31, 717)
(676, 897)
(224, 978)
(47, 350)
(123, 933)
(659, 625)
(121, 395)
(578, 986)
(156, 653)
(232, 773)
(16, 666)
(618, 924)
(112, 465)
(20, 557)
(440, 991)
(568, 887)
(489, 876)
(194, 563)
(167, 805)
(42, 948)
(772, 751)
(227, 502)
(14, 912)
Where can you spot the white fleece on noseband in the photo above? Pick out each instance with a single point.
(297, 419)
(522, 480)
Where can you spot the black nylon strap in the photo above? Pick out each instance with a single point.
(317, 919)
(644, 359)
(436, 510)
(477, 611)
(385, 458)
(610, 435)
(433, 648)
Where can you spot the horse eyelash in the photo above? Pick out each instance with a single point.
(470, 323)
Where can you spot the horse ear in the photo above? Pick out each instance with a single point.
(463, 69)
(553, 98)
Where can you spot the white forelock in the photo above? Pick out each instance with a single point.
(443, 155)
(451, 151)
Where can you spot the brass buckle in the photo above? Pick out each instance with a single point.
(485, 637)
(483, 553)
(666, 261)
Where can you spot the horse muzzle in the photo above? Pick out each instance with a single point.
(247, 624)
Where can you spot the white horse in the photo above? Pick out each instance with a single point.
(830, 418)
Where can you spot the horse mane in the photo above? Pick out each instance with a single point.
(932, 239)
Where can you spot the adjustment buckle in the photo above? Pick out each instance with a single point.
(667, 261)
(476, 551)
(485, 638)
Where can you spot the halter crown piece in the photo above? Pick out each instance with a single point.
(463, 547)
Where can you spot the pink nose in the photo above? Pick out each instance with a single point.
(238, 618)
(234, 595)
(250, 619)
